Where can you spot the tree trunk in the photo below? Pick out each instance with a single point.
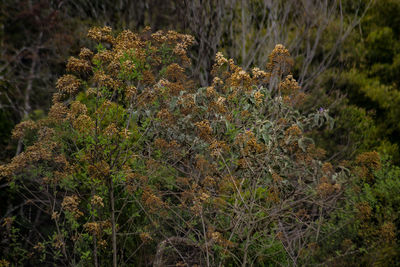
(113, 224)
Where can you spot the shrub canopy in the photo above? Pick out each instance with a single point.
(135, 165)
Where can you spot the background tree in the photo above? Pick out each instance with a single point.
(369, 61)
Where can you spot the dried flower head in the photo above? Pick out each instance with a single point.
(58, 112)
(85, 53)
(78, 65)
(280, 61)
(145, 237)
(364, 210)
(175, 72)
(204, 128)
(70, 204)
(68, 84)
(388, 232)
(258, 97)
(101, 34)
(130, 91)
(259, 74)
(327, 168)
(368, 163)
(99, 170)
(152, 201)
(220, 59)
(104, 56)
(293, 130)
(21, 128)
(97, 201)
(218, 147)
(289, 86)
(77, 108)
(83, 124)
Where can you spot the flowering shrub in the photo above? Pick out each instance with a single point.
(136, 165)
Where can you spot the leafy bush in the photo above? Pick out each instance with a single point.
(367, 74)
(134, 165)
(364, 231)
